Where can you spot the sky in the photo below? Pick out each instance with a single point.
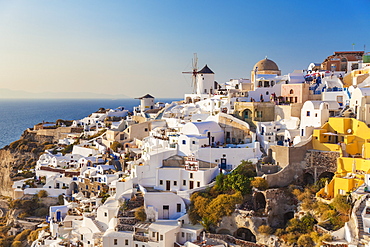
(136, 47)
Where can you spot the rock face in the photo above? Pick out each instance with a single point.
(274, 207)
(7, 159)
(20, 155)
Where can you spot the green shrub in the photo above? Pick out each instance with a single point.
(260, 183)
(140, 214)
(42, 194)
(17, 244)
(23, 235)
(61, 200)
(115, 146)
(266, 230)
(305, 241)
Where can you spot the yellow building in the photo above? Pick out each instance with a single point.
(351, 138)
(356, 77)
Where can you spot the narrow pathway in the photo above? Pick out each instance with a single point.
(360, 226)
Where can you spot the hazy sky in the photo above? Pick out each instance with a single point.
(137, 47)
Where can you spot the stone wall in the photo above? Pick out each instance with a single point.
(292, 160)
(278, 203)
(318, 162)
(233, 240)
(49, 135)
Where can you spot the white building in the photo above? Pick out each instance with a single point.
(315, 113)
(360, 103)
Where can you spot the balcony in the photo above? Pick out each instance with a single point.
(141, 238)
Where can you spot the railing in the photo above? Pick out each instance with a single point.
(125, 228)
(141, 238)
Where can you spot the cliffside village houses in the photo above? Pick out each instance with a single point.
(169, 151)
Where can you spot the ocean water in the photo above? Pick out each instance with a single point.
(16, 115)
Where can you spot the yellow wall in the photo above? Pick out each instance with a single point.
(348, 78)
(355, 134)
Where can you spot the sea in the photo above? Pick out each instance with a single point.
(16, 115)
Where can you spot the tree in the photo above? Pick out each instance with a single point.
(260, 183)
(223, 205)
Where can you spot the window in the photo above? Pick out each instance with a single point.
(105, 214)
(153, 234)
(291, 91)
(160, 182)
(267, 92)
(182, 234)
(183, 142)
(259, 113)
(126, 241)
(161, 237)
(184, 182)
(340, 99)
(178, 207)
(175, 183)
(198, 184)
(191, 175)
(115, 241)
(308, 113)
(193, 142)
(146, 129)
(315, 114)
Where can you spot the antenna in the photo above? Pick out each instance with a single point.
(194, 72)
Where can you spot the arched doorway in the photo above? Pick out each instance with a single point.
(245, 234)
(247, 114)
(328, 175)
(259, 201)
(74, 188)
(288, 216)
(308, 178)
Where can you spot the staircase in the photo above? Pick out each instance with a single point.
(99, 226)
(360, 225)
(135, 202)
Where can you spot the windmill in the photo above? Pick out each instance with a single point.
(194, 73)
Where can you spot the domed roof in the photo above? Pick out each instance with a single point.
(266, 64)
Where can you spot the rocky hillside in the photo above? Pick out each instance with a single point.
(19, 157)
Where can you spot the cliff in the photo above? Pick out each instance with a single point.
(7, 159)
(22, 154)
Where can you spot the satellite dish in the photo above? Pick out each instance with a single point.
(349, 131)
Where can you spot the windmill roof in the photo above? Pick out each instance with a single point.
(146, 96)
(205, 70)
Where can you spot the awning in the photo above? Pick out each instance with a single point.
(330, 134)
